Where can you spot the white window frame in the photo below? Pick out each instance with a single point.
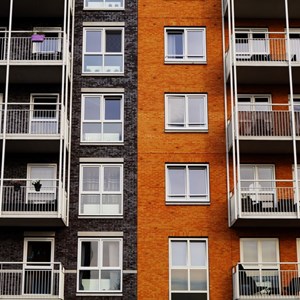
(252, 50)
(103, 69)
(104, 7)
(200, 60)
(99, 267)
(100, 192)
(188, 267)
(187, 198)
(45, 30)
(254, 105)
(187, 127)
(102, 120)
(50, 120)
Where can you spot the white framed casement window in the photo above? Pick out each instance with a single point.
(254, 102)
(104, 4)
(103, 50)
(44, 114)
(186, 112)
(99, 265)
(102, 118)
(101, 190)
(185, 45)
(187, 184)
(188, 269)
(38, 274)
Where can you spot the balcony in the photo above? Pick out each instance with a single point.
(24, 205)
(265, 128)
(262, 57)
(31, 281)
(268, 281)
(265, 203)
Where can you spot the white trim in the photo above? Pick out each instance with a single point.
(187, 198)
(111, 7)
(101, 159)
(100, 233)
(199, 59)
(99, 266)
(105, 24)
(103, 90)
(186, 126)
(188, 267)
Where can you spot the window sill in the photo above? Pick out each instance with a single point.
(188, 203)
(185, 62)
(87, 294)
(186, 130)
(105, 8)
(99, 217)
(101, 144)
(104, 74)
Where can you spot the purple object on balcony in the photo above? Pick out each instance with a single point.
(37, 38)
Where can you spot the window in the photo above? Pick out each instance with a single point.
(100, 265)
(186, 112)
(102, 118)
(104, 4)
(52, 42)
(188, 269)
(185, 45)
(101, 189)
(187, 184)
(103, 50)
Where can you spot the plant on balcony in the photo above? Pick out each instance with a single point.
(37, 185)
(17, 185)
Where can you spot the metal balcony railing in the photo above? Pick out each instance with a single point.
(271, 47)
(24, 119)
(31, 280)
(266, 281)
(23, 46)
(267, 120)
(20, 196)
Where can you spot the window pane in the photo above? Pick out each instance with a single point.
(91, 108)
(112, 132)
(111, 204)
(177, 180)
(198, 280)
(113, 63)
(247, 173)
(269, 251)
(265, 173)
(89, 254)
(113, 41)
(196, 109)
(94, 3)
(195, 43)
(111, 254)
(92, 132)
(112, 109)
(198, 253)
(90, 204)
(175, 44)
(189, 296)
(111, 179)
(179, 253)
(176, 111)
(89, 280)
(110, 280)
(90, 179)
(93, 41)
(93, 63)
(38, 251)
(198, 181)
(179, 280)
(250, 251)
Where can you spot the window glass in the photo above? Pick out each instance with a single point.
(93, 41)
(195, 47)
(179, 253)
(176, 109)
(89, 254)
(177, 180)
(113, 41)
(198, 253)
(92, 108)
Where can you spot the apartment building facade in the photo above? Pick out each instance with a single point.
(68, 138)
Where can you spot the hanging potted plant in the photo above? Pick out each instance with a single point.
(37, 185)
(17, 185)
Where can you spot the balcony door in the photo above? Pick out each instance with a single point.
(258, 184)
(44, 116)
(260, 259)
(295, 44)
(254, 114)
(3, 43)
(296, 101)
(250, 43)
(46, 175)
(38, 266)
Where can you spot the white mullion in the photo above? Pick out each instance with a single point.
(188, 265)
(185, 49)
(187, 191)
(100, 259)
(101, 184)
(186, 115)
(103, 48)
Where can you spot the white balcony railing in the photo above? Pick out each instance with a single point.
(272, 47)
(23, 46)
(266, 281)
(21, 197)
(23, 119)
(31, 280)
(266, 120)
(273, 198)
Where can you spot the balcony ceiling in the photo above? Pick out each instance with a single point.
(262, 9)
(33, 8)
